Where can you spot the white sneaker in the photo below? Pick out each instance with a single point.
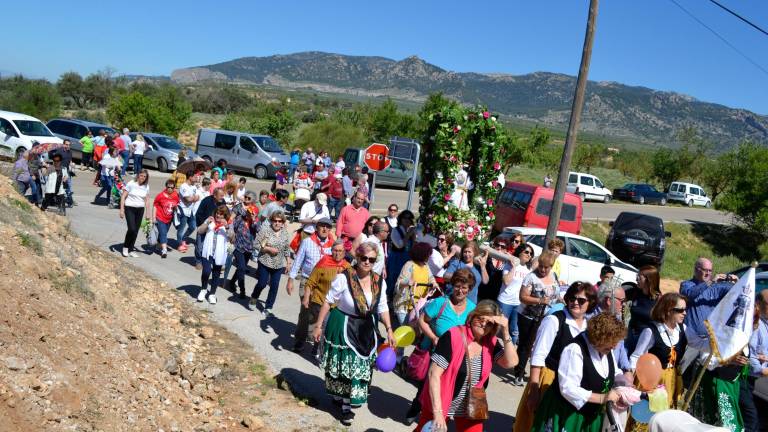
(212, 299)
(201, 295)
(125, 252)
(268, 313)
(133, 254)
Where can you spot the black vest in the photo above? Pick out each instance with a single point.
(562, 339)
(590, 379)
(662, 351)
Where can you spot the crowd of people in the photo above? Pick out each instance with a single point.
(360, 277)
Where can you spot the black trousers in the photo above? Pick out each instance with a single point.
(527, 328)
(747, 405)
(133, 217)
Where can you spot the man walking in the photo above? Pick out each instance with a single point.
(352, 219)
(313, 211)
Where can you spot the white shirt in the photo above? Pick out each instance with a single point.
(187, 191)
(108, 164)
(391, 221)
(340, 165)
(511, 293)
(201, 194)
(646, 342)
(136, 194)
(139, 147)
(571, 371)
(436, 263)
(240, 194)
(545, 336)
(378, 266)
(215, 244)
(340, 295)
(309, 211)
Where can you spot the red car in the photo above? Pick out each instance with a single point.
(523, 204)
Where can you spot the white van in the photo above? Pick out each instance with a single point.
(259, 155)
(689, 194)
(588, 187)
(19, 132)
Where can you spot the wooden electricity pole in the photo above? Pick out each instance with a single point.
(573, 124)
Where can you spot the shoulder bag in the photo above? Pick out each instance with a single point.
(477, 403)
(419, 360)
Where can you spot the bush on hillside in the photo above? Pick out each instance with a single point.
(166, 112)
(332, 137)
(267, 119)
(37, 98)
(747, 195)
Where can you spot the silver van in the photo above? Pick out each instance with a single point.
(259, 155)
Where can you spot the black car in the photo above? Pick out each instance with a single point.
(641, 193)
(638, 239)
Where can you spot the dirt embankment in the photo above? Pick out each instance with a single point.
(89, 342)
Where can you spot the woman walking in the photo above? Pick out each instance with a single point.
(138, 147)
(54, 180)
(22, 176)
(461, 364)
(414, 283)
(441, 255)
(214, 253)
(134, 202)
(302, 187)
(586, 376)
(245, 229)
(108, 164)
(351, 336)
(643, 298)
(494, 268)
(272, 247)
(509, 297)
(163, 207)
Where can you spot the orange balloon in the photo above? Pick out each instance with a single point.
(648, 371)
(382, 347)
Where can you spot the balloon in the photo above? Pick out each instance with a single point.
(641, 412)
(555, 307)
(382, 347)
(386, 360)
(404, 336)
(291, 196)
(648, 371)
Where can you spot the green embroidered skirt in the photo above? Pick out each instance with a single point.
(716, 402)
(555, 414)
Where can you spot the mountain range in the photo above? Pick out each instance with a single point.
(612, 109)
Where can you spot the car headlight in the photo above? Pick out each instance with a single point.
(175, 157)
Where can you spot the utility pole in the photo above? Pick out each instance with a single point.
(573, 124)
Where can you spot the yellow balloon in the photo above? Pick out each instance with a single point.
(404, 336)
(291, 196)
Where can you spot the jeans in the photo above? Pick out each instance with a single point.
(210, 268)
(334, 207)
(267, 274)
(22, 188)
(162, 232)
(68, 190)
(291, 170)
(133, 217)
(185, 222)
(106, 186)
(138, 163)
(510, 311)
(228, 266)
(241, 264)
(199, 248)
(126, 155)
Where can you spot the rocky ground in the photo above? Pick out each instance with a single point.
(88, 342)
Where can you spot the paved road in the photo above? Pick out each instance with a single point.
(390, 396)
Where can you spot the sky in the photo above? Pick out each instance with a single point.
(650, 43)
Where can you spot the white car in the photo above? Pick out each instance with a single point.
(582, 258)
(588, 187)
(19, 132)
(689, 194)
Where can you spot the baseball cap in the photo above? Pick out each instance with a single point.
(322, 198)
(325, 221)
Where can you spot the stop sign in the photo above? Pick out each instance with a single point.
(377, 157)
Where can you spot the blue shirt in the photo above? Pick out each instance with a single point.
(758, 344)
(295, 158)
(446, 320)
(702, 300)
(456, 265)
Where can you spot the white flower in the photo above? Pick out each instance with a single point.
(493, 118)
(446, 208)
(492, 144)
(466, 117)
(487, 218)
(453, 142)
(458, 127)
(485, 205)
(480, 199)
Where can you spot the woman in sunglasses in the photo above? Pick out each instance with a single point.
(442, 255)
(351, 337)
(162, 213)
(509, 297)
(271, 247)
(214, 252)
(368, 229)
(556, 331)
(665, 338)
(643, 298)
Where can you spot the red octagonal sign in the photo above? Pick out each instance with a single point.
(377, 157)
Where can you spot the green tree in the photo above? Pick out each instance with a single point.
(636, 164)
(71, 85)
(716, 174)
(385, 122)
(268, 119)
(588, 155)
(37, 98)
(166, 113)
(98, 87)
(666, 166)
(747, 196)
(332, 136)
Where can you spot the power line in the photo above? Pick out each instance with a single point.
(740, 17)
(724, 40)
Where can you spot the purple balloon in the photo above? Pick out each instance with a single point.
(386, 360)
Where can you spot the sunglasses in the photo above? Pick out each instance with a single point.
(500, 246)
(580, 300)
(620, 300)
(678, 310)
(527, 252)
(278, 220)
(516, 241)
(442, 239)
(392, 210)
(367, 259)
(247, 199)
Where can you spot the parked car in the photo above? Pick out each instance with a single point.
(582, 258)
(689, 194)
(523, 204)
(588, 187)
(640, 193)
(162, 151)
(259, 155)
(74, 129)
(762, 267)
(638, 239)
(398, 174)
(19, 132)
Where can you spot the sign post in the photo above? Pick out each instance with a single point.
(376, 159)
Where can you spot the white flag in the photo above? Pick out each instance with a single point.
(730, 323)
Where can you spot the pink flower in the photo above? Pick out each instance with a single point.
(462, 227)
(452, 158)
(496, 166)
(447, 197)
(470, 236)
(495, 183)
(491, 215)
(489, 202)
(486, 114)
(471, 222)
(450, 217)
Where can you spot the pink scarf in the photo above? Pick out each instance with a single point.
(458, 356)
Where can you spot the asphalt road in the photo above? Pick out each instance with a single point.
(390, 396)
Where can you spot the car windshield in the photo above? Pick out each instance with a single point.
(629, 186)
(167, 142)
(32, 128)
(638, 221)
(95, 130)
(268, 144)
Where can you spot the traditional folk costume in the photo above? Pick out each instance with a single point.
(351, 337)
(582, 372)
(557, 331)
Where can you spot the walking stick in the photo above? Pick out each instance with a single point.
(696, 383)
(611, 419)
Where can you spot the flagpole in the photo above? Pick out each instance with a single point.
(696, 383)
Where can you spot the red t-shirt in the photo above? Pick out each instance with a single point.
(119, 144)
(164, 205)
(332, 187)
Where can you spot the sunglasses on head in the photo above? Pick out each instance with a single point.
(367, 259)
(580, 300)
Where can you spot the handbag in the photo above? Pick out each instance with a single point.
(296, 242)
(477, 402)
(152, 236)
(419, 360)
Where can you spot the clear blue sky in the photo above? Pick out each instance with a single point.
(639, 42)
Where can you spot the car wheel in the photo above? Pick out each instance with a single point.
(708, 204)
(607, 199)
(663, 202)
(642, 200)
(162, 165)
(690, 203)
(583, 196)
(260, 172)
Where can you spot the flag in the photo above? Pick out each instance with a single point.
(730, 324)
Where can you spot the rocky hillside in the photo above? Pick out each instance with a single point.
(88, 342)
(612, 109)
